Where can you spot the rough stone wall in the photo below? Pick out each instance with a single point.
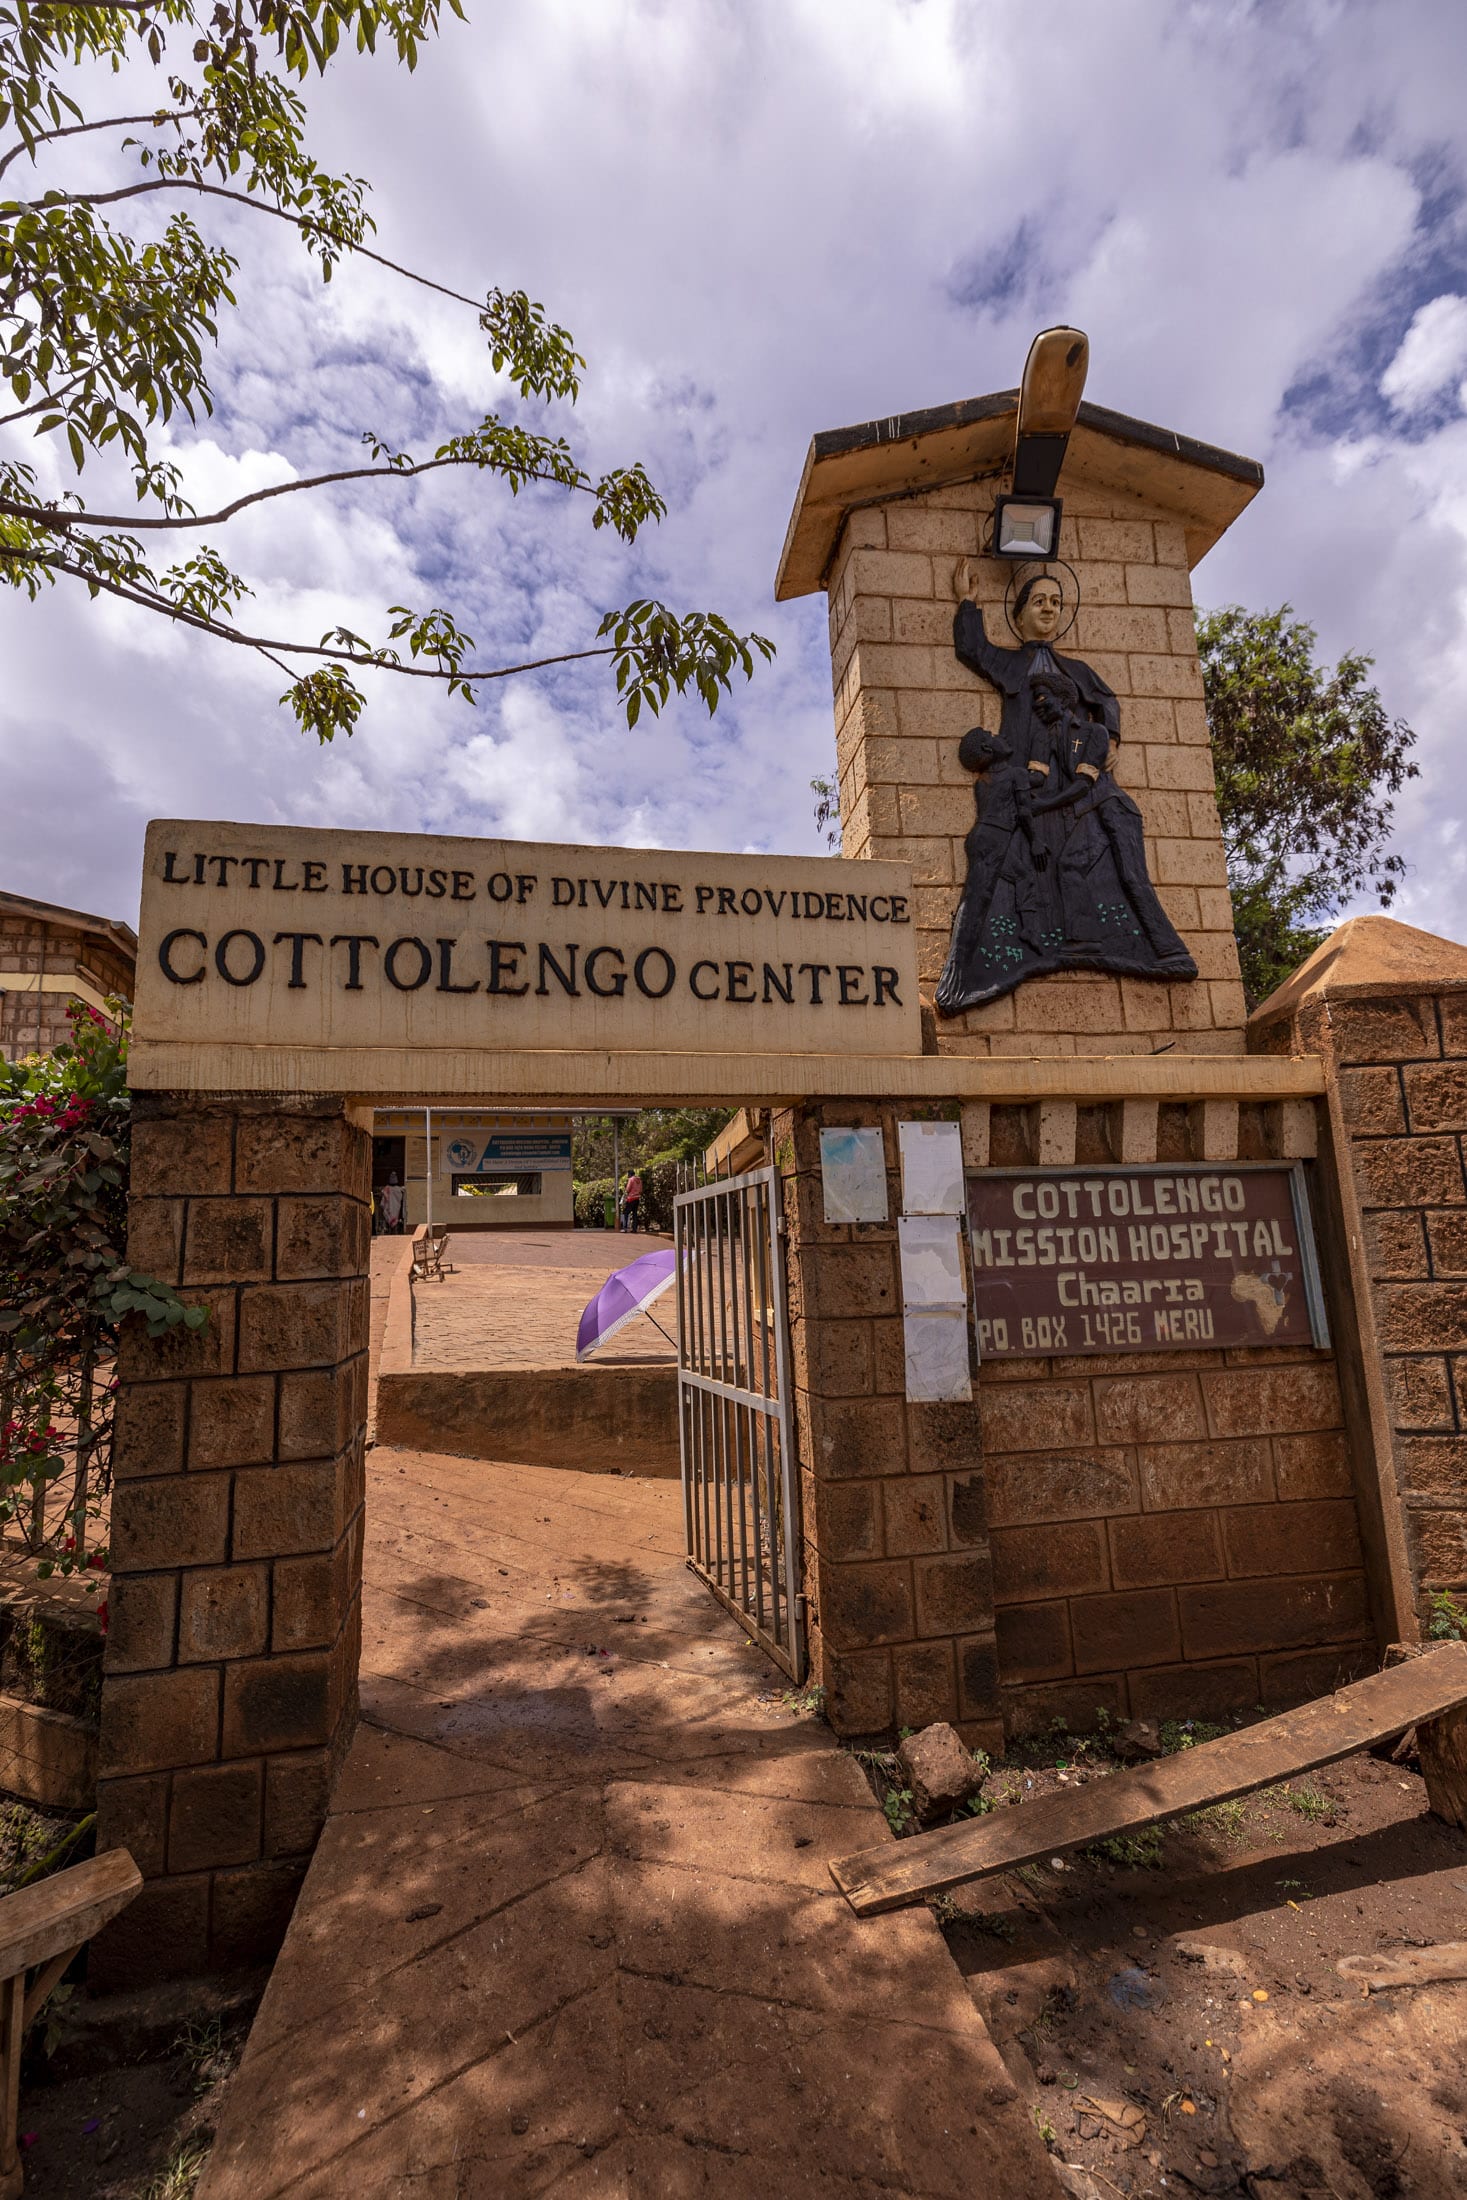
(1400, 1069)
(898, 1576)
(903, 703)
(1167, 1535)
(1174, 1534)
(231, 1669)
(37, 1023)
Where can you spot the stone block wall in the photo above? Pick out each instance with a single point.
(1398, 1069)
(898, 1575)
(903, 703)
(230, 1680)
(1167, 1535)
(1174, 1535)
(36, 1022)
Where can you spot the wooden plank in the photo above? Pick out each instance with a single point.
(64, 1910)
(1317, 1733)
(1441, 1745)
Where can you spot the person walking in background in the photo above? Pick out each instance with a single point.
(389, 1207)
(631, 1202)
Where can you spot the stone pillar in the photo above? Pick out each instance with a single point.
(1394, 1045)
(903, 703)
(230, 1682)
(898, 1577)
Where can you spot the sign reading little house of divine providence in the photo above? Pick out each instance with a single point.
(269, 936)
(1149, 1259)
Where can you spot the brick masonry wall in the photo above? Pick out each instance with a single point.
(1400, 1068)
(1174, 1535)
(898, 1574)
(230, 1680)
(1163, 1535)
(37, 1023)
(903, 703)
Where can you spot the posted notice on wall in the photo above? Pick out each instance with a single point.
(934, 1309)
(1142, 1260)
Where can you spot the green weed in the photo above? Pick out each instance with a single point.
(1447, 1620)
(1136, 1851)
(898, 1808)
(1311, 1803)
(804, 1703)
(1228, 1819)
(180, 2174)
(1187, 1733)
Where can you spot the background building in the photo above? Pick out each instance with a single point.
(489, 1170)
(50, 957)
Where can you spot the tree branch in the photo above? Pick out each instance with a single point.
(51, 397)
(62, 522)
(256, 206)
(78, 129)
(367, 660)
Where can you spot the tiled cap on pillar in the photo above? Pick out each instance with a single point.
(896, 520)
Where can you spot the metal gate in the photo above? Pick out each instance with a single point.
(735, 1418)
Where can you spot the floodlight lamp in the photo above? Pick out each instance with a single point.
(1026, 527)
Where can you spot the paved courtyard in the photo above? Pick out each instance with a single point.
(570, 1926)
(515, 1300)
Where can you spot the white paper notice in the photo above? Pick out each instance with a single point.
(932, 1264)
(934, 1308)
(932, 1168)
(937, 1357)
(853, 1175)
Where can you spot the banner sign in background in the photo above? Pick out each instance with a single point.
(1142, 1260)
(507, 1152)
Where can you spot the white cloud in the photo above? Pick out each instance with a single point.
(1433, 353)
(762, 218)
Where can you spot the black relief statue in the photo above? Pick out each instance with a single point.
(1057, 876)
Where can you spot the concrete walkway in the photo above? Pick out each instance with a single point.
(570, 1928)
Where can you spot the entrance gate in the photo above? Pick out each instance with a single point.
(735, 1417)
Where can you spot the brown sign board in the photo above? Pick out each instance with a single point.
(1168, 1258)
(293, 939)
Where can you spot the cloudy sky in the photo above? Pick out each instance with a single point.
(761, 218)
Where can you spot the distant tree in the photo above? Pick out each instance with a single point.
(105, 336)
(827, 811)
(1307, 761)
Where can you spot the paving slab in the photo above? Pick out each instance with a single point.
(570, 1927)
(515, 1299)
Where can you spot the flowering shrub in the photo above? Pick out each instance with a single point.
(65, 1287)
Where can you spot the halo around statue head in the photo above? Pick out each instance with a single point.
(1022, 579)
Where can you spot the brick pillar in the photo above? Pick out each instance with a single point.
(1396, 1061)
(903, 703)
(897, 1570)
(230, 1683)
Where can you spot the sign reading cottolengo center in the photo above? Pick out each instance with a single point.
(284, 937)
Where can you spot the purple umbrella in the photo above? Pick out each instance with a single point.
(624, 1295)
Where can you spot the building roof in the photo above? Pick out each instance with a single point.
(120, 937)
(1368, 956)
(880, 460)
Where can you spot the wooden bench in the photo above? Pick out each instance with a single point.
(41, 1929)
